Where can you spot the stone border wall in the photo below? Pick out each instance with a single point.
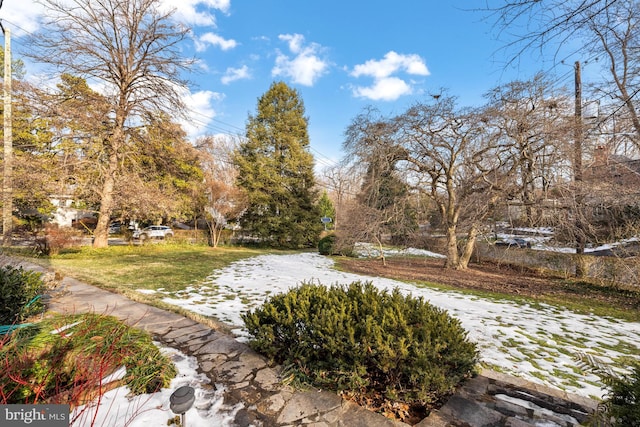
(625, 271)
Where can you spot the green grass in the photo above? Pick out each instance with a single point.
(173, 266)
(125, 268)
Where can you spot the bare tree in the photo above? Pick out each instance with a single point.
(460, 166)
(342, 182)
(446, 154)
(223, 201)
(131, 49)
(615, 42)
(532, 119)
(384, 197)
(607, 30)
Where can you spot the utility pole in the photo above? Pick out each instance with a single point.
(578, 131)
(7, 170)
(577, 171)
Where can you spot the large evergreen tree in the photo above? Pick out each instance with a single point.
(276, 171)
(33, 177)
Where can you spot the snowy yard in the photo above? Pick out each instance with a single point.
(117, 408)
(538, 342)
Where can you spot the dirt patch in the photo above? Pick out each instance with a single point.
(493, 278)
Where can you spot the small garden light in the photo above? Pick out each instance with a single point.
(181, 401)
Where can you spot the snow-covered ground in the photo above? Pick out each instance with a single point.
(541, 239)
(539, 343)
(118, 409)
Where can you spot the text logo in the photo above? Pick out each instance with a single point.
(34, 415)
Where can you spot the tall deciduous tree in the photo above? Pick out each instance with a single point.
(157, 172)
(608, 31)
(276, 171)
(532, 120)
(131, 48)
(447, 154)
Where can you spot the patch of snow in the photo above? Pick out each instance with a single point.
(118, 408)
(532, 342)
(538, 410)
(367, 250)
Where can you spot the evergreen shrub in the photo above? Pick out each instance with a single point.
(325, 245)
(18, 288)
(370, 345)
(623, 401)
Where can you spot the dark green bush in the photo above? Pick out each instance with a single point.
(325, 245)
(18, 288)
(621, 405)
(623, 401)
(364, 342)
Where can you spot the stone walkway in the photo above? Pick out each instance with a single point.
(491, 399)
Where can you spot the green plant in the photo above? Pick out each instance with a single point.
(325, 245)
(18, 288)
(376, 347)
(64, 359)
(621, 406)
(623, 401)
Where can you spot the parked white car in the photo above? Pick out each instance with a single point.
(153, 232)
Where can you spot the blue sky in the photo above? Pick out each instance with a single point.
(340, 55)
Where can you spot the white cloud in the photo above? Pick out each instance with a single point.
(306, 66)
(295, 42)
(196, 12)
(23, 16)
(233, 74)
(385, 89)
(202, 112)
(390, 64)
(214, 40)
(385, 85)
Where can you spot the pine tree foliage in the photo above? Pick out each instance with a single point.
(276, 171)
(327, 209)
(384, 191)
(34, 176)
(365, 343)
(621, 406)
(623, 402)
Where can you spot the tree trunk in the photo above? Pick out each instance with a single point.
(452, 249)
(468, 248)
(216, 234)
(384, 260)
(101, 233)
